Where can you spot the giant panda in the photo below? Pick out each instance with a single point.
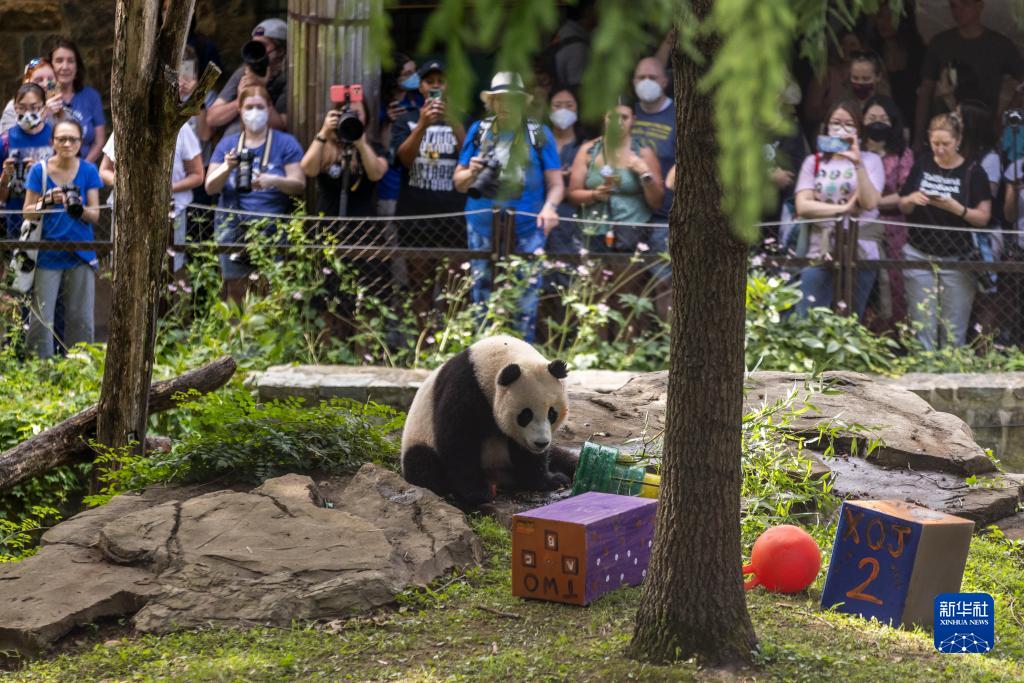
(486, 417)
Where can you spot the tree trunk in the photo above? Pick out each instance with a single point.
(693, 600)
(149, 37)
(65, 443)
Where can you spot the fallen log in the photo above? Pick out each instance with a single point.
(66, 442)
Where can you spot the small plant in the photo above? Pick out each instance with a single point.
(19, 539)
(120, 470)
(232, 436)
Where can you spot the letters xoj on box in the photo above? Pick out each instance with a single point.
(891, 559)
(580, 548)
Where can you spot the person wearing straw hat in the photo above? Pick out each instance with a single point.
(510, 162)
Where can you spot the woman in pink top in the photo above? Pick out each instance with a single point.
(884, 134)
(831, 185)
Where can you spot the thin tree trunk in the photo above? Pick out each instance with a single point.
(65, 443)
(149, 36)
(693, 601)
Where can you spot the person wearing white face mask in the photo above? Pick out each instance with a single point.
(276, 176)
(832, 184)
(565, 238)
(21, 147)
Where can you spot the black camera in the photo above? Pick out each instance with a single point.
(73, 200)
(488, 181)
(254, 55)
(244, 181)
(1013, 117)
(350, 128)
(16, 185)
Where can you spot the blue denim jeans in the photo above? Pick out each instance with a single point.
(816, 284)
(483, 278)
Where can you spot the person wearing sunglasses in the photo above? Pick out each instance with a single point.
(71, 274)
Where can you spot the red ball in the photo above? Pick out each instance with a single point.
(785, 559)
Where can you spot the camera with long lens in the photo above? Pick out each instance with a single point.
(244, 181)
(1013, 118)
(16, 185)
(350, 128)
(488, 181)
(73, 200)
(255, 57)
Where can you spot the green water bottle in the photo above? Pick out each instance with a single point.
(604, 469)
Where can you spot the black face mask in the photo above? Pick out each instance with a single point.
(878, 131)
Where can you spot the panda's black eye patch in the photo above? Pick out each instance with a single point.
(552, 415)
(525, 417)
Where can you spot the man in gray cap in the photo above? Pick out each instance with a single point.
(273, 34)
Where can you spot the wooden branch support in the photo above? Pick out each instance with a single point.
(66, 442)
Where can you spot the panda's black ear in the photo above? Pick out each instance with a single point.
(558, 369)
(509, 374)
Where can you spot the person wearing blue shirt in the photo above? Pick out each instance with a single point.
(21, 148)
(276, 177)
(533, 188)
(81, 103)
(72, 273)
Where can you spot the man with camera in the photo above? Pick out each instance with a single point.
(263, 64)
(510, 162)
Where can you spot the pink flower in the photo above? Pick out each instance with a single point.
(539, 251)
(785, 277)
(465, 265)
(297, 296)
(431, 340)
(841, 305)
(756, 261)
(327, 271)
(172, 287)
(254, 276)
(584, 253)
(642, 246)
(582, 270)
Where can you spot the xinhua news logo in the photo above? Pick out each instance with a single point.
(964, 623)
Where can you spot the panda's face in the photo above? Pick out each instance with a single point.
(530, 403)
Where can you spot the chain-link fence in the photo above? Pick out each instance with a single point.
(945, 286)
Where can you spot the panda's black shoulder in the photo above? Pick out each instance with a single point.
(459, 401)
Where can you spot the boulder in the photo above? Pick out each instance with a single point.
(926, 456)
(270, 555)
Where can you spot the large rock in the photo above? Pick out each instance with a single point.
(926, 456)
(270, 555)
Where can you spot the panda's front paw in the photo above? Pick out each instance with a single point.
(557, 480)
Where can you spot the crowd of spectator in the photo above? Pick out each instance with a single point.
(894, 134)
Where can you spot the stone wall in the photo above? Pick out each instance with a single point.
(992, 404)
(28, 26)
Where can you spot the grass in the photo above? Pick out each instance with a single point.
(470, 628)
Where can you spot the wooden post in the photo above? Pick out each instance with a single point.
(149, 38)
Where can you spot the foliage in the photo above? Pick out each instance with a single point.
(120, 470)
(18, 539)
(231, 436)
(777, 339)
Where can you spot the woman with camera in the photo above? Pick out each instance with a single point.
(946, 191)
(20, 149)
(614, 178)
(72, 184)
(79, 101)
(342, 141)
(836, 181)
(256, 170)
(40, 72)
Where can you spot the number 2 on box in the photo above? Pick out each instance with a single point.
(858, 593)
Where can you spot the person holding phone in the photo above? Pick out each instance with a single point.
(40, 72)
(425, 144)
(836, 181)
(947, 191)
